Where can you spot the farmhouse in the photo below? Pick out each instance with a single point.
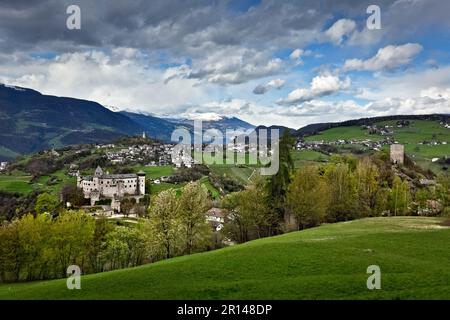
(111, 186)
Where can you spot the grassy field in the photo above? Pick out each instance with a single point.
(207, 183)
(328, 262)
(239, 173)
(16, 183)
(156, 172)
(157, 188)
(306, 157)
(345, 133)
(21, 182)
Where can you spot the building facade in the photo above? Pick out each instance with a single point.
(111, 186)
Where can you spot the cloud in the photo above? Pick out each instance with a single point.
(436, 93)
(229, 66)
(120, 78)
(322, 85)
(387, 58)
(296, 54)
(168, 56)
(340, 30)
(316, 111)
(272, 84)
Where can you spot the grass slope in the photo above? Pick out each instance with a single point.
(328, 262)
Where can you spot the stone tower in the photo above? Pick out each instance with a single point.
(141, 182)
(397, 153)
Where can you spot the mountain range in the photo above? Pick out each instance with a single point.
(31, 122)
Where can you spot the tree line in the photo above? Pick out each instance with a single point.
(42, 246)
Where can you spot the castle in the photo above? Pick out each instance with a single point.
(111, 186)
(397, 153)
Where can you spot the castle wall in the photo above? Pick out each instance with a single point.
(109, 187)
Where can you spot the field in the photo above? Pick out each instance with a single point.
(20, 182)
(345, 133)
(157, 188)
(240, 173)
(15, 183)
(328, 262)
(156, 172)
(306, 157)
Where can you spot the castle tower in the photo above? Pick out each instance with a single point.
(397, 153)
(79, 185)
(98, 172)
(141, 183)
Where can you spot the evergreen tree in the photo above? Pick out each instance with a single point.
(279, 182)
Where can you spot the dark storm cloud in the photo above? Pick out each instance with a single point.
(185, 25)
(198, 29)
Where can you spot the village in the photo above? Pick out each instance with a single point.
(370, 144)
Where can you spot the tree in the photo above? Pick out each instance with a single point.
(343, 201)
(127, 205)
(366, 176)
(162, 223)
(443, 191)
(400, 197)
(72, 231)
(10, 253)
(125, 247)
(46, 203)
(308, 197)
(96, 258)
(194, 203)
(279, 182)
(248, 214)
(33, 236)
(73, 195)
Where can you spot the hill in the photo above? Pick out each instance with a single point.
(154, 127)
(31, 122)
(328, 262)
(426, 140)
(316, 128)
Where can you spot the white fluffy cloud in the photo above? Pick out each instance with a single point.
(296, 54)
(387, 58)
(121, 78)
(316, 111)
(272, 84)
(340, 29)
(232, 65)
(322, 85)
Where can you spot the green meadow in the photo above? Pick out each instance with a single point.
(16, 183)
(327, 262)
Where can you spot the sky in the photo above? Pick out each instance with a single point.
(288, 63)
